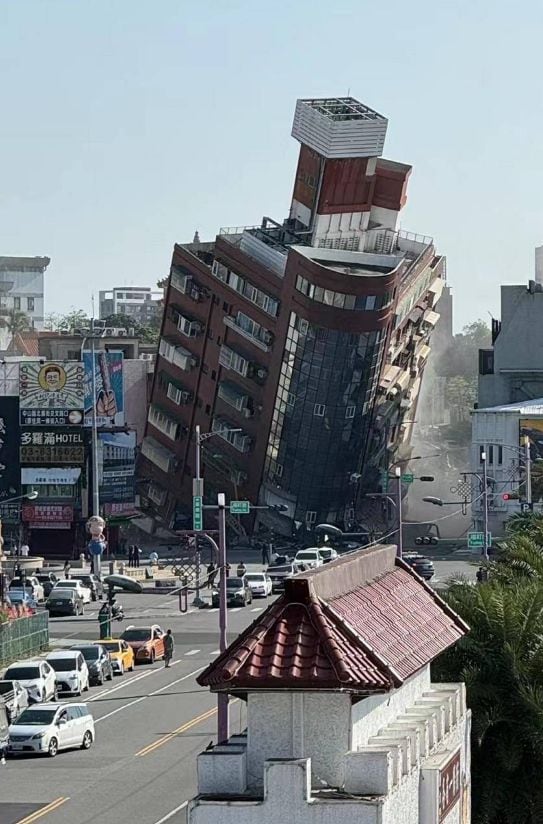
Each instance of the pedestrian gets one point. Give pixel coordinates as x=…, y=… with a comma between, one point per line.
x=25, y=550
x=104, y=619
x=130, y=555
x=168, y=648
x=67, y=568
x=153, y=558
x=265, y=554
x=211, y=573
x=137, y=553
x=227, y=570
x=241, y=570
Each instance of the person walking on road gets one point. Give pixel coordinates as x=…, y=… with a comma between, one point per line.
x=265, y=554
x=241, y=570
x=137, y=553
x=211, y=573
x=168, y=648
x=67, y=568
x=130, y=555
x=104, y=620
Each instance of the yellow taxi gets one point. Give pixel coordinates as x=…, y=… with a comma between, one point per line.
x=121, y=654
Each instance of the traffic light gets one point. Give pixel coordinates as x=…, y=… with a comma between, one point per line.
x=427, y=478
x=506, y=496
x=426, y=540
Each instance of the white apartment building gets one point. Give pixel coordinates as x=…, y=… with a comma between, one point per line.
x=138, y=302
x=22, y=287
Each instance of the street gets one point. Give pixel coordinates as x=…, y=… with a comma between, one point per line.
x=150, y=724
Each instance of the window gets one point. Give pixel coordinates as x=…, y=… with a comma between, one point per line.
x=231, y=360
x=310, y=517
x=176, y=395
x=30, y=304
x=319, y=409
x=278, y=470
x=500, y=455
x=156, y=494
x=350, y=411
x=163, y=422
x=220, y=271
x=16, y=303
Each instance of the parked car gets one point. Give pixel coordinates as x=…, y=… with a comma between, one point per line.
x=121, y=654
x=15, y=698
x=92, y=582
x=71, y=671
x=423, y=566
x=31, y=583
x=260, y=583
x=98, y=662
x=309, y=558
x=83, y=591
x=37, y=677
x=48, y=728
x=238, y=593
x=147, y=642
x=279, y=574
x=328, y=554
x=47, y=580
x=4, y=728
x=23, y=597
x=64, y=602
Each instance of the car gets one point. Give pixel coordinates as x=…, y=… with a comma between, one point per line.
x=36, y=676
x=309, y=558
x=92, y=582
x=76, y=586
x=260, y=583
x=121, y=654
x=15, y=698
x=48, y=728
x=422, y=566
x=147, y=642
x=98, y=662
x=4, y=728
x=238, y=593
x=47, y=580
x=328, y=554
x=64, y=602
x=31, y=583
x=71, y=671
x=279, y=574
x=23, y=597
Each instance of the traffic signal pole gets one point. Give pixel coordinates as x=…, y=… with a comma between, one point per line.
x=485, y=506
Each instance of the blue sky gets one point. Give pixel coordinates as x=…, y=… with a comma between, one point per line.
x=128, y=124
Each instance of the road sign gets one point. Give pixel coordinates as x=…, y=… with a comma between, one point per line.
x=240, y=507
x=476, y=540
x=525, y=507
x=197, y=512
x=408, y=478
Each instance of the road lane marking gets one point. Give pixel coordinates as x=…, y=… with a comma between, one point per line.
x=215, y=652
x=256, y=609
x=54, y=805
x=129, y=683
x=213, y=609
x=149, y=695
x=236, y=609
x=183, y=728
x=172, y=813
x=192, y=652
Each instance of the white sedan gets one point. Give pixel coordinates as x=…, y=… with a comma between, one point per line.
x=259, y=583
x=76, y=586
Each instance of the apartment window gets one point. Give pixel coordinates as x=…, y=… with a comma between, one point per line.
x=278, y=470
x=310, y=517
x=231, y=360
x=236, y=282
x=220, y=271
x=350, y=411
x=500, y=455
x=156, y=494
x=30, y=304
x=16, y=303
x=490, y=454
x=163, y=422
x=175, y=394
x=319, y=409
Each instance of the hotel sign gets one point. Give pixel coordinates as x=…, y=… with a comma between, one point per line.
x=53, y=446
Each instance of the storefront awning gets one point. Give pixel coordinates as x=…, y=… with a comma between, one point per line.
x=47, y=475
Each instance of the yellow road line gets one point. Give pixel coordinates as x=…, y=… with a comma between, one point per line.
x=165, y=738
x=54, y=805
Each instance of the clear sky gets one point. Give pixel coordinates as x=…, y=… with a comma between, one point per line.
x=128, y=124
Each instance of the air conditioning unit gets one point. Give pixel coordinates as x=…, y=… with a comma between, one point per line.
x=262, y=373
x=195, y=293
x=109, y=331
x=268, y=337
x=122, y=333
x=147, y=356
x=132, y=332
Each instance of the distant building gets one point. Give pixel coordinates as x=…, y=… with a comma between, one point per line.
x=22, y=287
x=141, y=303
x=344, y=723
x=300, y=344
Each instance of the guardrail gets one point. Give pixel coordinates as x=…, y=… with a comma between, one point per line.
x=23, y=637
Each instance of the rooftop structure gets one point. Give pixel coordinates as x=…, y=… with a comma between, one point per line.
x=22, y=287
x=339, y=127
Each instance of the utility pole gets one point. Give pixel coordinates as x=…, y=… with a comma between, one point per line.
x=197, y=491
x=398, y=474
x=485, y=506
x=222, y=698
x=528, y=467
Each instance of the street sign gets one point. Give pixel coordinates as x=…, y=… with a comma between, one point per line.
x=408, y=478
x=525, y=507
x=476, y=540
x=240, y=507
x=197, y=512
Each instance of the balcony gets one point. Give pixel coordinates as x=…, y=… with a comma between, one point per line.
x=188, y=327
x=162, y=421
x=158, y=455
x=252, y=332
x=224, y=466
x=225, y=430
x=177, y=355
x=232, y=395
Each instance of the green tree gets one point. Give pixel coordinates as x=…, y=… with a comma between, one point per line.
x=16, y=321
x=147, y=333
x=461, y=358
x=501, y=662
x=75, y=319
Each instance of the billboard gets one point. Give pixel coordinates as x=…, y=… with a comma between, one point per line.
x=532, y=428
x=10, y=472
x=41, y=514
x=117, y=457
x=62, y=445
x=109, y=395
x=51, y=393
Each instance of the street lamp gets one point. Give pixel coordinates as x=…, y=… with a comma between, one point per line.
x=94, y=429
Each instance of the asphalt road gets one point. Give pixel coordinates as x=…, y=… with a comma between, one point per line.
x=150, y=726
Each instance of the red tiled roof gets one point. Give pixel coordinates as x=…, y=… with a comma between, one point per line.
x=364, y=623
x=24, y=343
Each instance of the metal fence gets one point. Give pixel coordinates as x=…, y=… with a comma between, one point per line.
x=23, y=637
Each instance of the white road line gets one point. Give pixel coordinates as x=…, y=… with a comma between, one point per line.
x=236, y=609
x=256, y=609
x=215, y=652
x=129, y=682
x=143, y=697
x=172, y=813
x=213, y=609
x=192, y=652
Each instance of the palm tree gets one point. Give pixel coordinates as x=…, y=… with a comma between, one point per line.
x=501, y=662
x=16, y=321
x=526, y=523
x=519, y=557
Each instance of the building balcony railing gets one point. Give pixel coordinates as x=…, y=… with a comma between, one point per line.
x=158, y=454
x=257, y=341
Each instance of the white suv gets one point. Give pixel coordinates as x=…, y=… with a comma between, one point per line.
x=310, y=558
x=71, y=671
x=48, y=728
x=37, y=677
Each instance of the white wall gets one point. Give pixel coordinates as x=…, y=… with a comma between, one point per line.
x=384, y=217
